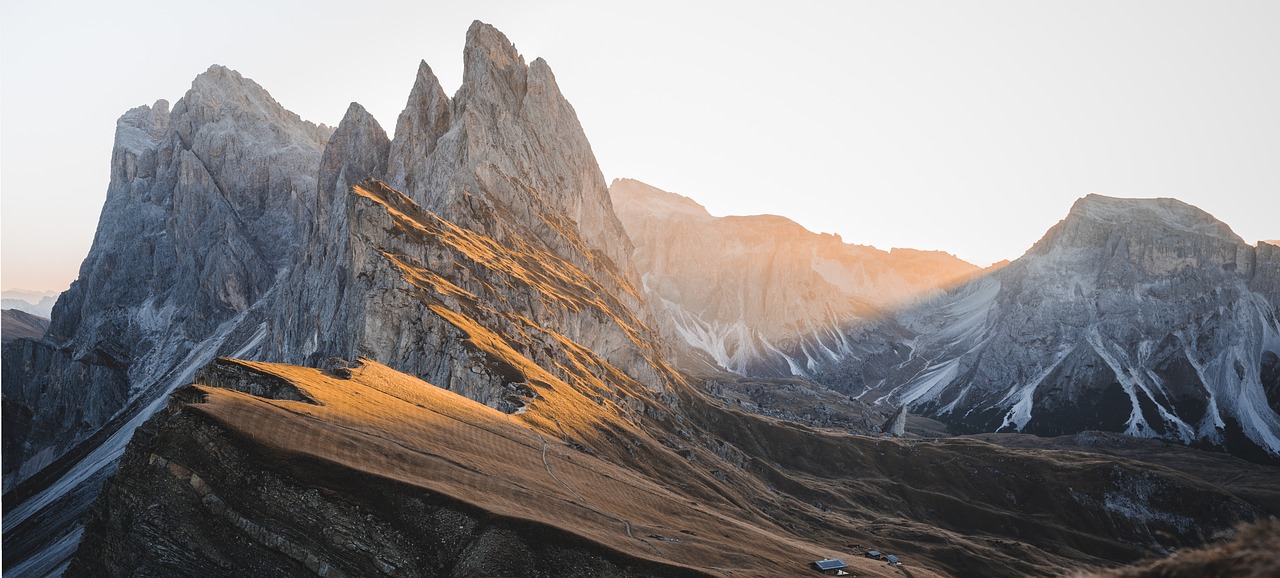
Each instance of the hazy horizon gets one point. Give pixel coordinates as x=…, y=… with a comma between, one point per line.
x=969, y=129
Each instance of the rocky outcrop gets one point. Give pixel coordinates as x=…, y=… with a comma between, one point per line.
x=205, y=207
x=896, y=425
x=318, y=313
x=1142, y=316
x=761, y=295
x=509, y=144
x=205, y=210
x=502, y=199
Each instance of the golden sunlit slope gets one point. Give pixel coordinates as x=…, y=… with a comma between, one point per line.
x=370, y=426
x=531, y=320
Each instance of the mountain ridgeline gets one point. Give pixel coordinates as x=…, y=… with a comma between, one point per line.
x=1142, y=316
x=298, y=350
x=761, y=295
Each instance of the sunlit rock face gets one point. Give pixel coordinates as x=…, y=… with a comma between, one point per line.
x=233, y=227
x=761, y=295
x=1142, y=316
x=509, y=144
x=503, y=198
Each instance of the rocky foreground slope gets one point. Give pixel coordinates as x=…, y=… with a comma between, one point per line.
x=19, y=324
x=761, y=295
x=473, y=251
x=1142, y=316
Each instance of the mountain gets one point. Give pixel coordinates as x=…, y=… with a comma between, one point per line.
x=1142, y=316
x=22, y=325
x=204, y=210
x=38, y=303
x=219, y=236
x=444, y=365
x=761, y=295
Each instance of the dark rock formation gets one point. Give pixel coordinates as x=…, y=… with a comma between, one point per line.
x=205, y=210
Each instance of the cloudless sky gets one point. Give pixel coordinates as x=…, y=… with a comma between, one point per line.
x=969, y=127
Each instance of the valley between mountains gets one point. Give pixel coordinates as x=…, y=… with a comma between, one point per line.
x=301, y=350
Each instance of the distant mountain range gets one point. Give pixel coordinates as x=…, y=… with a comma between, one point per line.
x=761, y=295
x=1142, y=316
x=38, y=303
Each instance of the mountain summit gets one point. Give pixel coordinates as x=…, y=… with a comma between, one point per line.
x=1142, y=316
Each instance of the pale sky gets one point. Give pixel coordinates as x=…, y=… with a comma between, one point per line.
x=969, y=127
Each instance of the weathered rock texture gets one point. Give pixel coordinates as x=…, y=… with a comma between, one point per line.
x=1142, y=316
x=761, y=295
x=231, y=227
x=204, y=213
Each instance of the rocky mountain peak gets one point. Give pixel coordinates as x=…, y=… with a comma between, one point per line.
x=488, y=50
x=1147, y=317
x=507, y=140
x=219, y=84
x=141, y=128
x=426, y=117
x=1162, y=213
x=1143, y=236
x=357, y=149
x=632, y=196
x=223, y=97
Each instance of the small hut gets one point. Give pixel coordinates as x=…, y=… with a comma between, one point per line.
x=831, y=567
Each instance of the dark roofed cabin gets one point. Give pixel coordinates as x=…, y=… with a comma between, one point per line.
x=833, y=567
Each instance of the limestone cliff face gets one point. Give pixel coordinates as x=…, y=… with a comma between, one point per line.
x=319, y=308
x=205, y=206
x=508, y=143
x=761, y=295
x=493, y=180
x=1142, y=316
x=232, y=227
x=205, y=210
